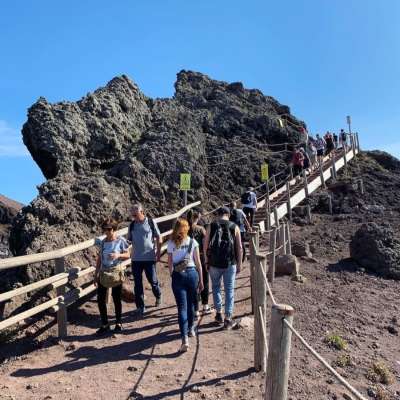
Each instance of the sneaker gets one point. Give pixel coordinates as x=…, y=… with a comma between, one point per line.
x=228, y=324
x=196, y=315
x=158, y=301
x=206, y=309
x=192, y=332
x=185, y=345
x=117, y=328
x=103, y=330
x=140, y=311
x=218, y=318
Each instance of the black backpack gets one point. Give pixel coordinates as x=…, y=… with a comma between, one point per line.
x=221, y=248
x=246, y=198
x=236, y=217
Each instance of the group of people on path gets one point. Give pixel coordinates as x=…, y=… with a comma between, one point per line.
x=196, y=255
x=310, y=156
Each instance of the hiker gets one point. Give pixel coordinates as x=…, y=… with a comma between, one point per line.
x=306, y=159
x=336, y=140
x=320, y=145
x=249, y=203
x=109, y=274
x=146, y=247
x=198, y=233
x=312, y=154
x=343, y=139
x=239, y=218
x=329, y=144
x=223, y=253
x=185, y=268
x=297, y=162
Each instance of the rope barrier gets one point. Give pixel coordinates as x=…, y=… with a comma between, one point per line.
x=325, y=363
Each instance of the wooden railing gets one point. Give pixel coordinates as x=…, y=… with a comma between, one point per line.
x=62, y=277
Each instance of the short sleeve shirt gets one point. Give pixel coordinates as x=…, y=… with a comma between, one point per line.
x=253, y=201
x=179, y=253
x=119, y=245
x=141, y=236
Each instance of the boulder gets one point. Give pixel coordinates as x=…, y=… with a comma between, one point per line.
x=286, y=264
x=301, y=249
x=377, y=249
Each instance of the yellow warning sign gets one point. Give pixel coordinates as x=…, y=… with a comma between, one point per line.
x=185, y=181
x=264, y=172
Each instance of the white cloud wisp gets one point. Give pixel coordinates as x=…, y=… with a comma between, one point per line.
x=11, y=144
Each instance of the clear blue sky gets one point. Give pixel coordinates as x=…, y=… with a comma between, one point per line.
x=325, y=59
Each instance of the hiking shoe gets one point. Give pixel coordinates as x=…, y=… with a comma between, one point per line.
x=158, y=301
x=196, y=315
x=228, y=324
x=103, y=330
x=185, y=345
x=118, y=328
x=139, y=312
x=192, y=332
x=218, y=318
x=206, y=309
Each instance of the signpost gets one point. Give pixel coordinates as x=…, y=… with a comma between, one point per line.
x=264, y=173
x=185, y=181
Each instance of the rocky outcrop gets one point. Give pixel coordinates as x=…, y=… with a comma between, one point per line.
x=377, y=249
x=116, y=146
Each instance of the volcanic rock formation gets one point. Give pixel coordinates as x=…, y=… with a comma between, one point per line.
x=116, y=146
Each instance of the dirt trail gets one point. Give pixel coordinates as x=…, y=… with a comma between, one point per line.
x=143, y=361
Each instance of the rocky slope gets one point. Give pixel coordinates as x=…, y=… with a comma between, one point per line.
x=8, y=210
x=116, y=146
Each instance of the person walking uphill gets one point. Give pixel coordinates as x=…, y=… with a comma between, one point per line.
x=249, y=203
x=109, y=273
x=223, y=252
x=186, y=272
x=146, y=247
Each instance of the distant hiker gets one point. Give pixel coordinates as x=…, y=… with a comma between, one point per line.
x=239, y=218
x=306, y=159
x=110, y=274
x=329, y=144
x=146, y=246
x=343, y=139
x=186, y=272
x=335, y=140
x=249, y=203
x=198, y=233
x=320, y=145
x=312, y=154
x=223, y=251
x=297, y=162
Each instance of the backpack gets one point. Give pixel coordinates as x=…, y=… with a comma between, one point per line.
x=152, y=227
x=236, y=217
x=221, y=248
x=246, y=198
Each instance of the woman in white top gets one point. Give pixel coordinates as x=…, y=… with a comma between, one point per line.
x=187, y=280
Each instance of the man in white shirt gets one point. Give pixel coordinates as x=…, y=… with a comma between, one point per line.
x=249, y=202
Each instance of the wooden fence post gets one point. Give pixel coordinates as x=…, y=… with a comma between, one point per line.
x=253, y=253
x=272, y=255
x=305, y=183
x=260, y=348
x=321, y=174
x=289, y=207
x=334, y=174
x=345, y=159
x=358, y=142
x=274, y=182
x=283, y=239
x=308, y=207
x=330, y=204
x=288, y=238
x=268, y=210
x=276, y=218
x=291, y=172
x=62, y=310
x=279, y=353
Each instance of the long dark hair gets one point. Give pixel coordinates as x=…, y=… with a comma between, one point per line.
x=191, y=216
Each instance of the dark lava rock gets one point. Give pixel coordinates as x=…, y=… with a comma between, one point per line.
x=116, y=146
x=376, y=248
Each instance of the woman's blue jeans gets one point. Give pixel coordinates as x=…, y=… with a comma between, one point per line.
x=184, y=286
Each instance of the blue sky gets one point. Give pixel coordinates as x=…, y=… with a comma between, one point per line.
x=325, y=59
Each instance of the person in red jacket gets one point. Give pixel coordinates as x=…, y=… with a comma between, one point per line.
x=297, y=162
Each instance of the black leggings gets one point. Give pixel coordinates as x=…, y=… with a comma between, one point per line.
x=101, y=301
x=204, y=294
x=249, y=212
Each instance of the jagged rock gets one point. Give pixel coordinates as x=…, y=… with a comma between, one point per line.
x=287, y=264
x=376, y=248
x=116, y=146
x=301, y=249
